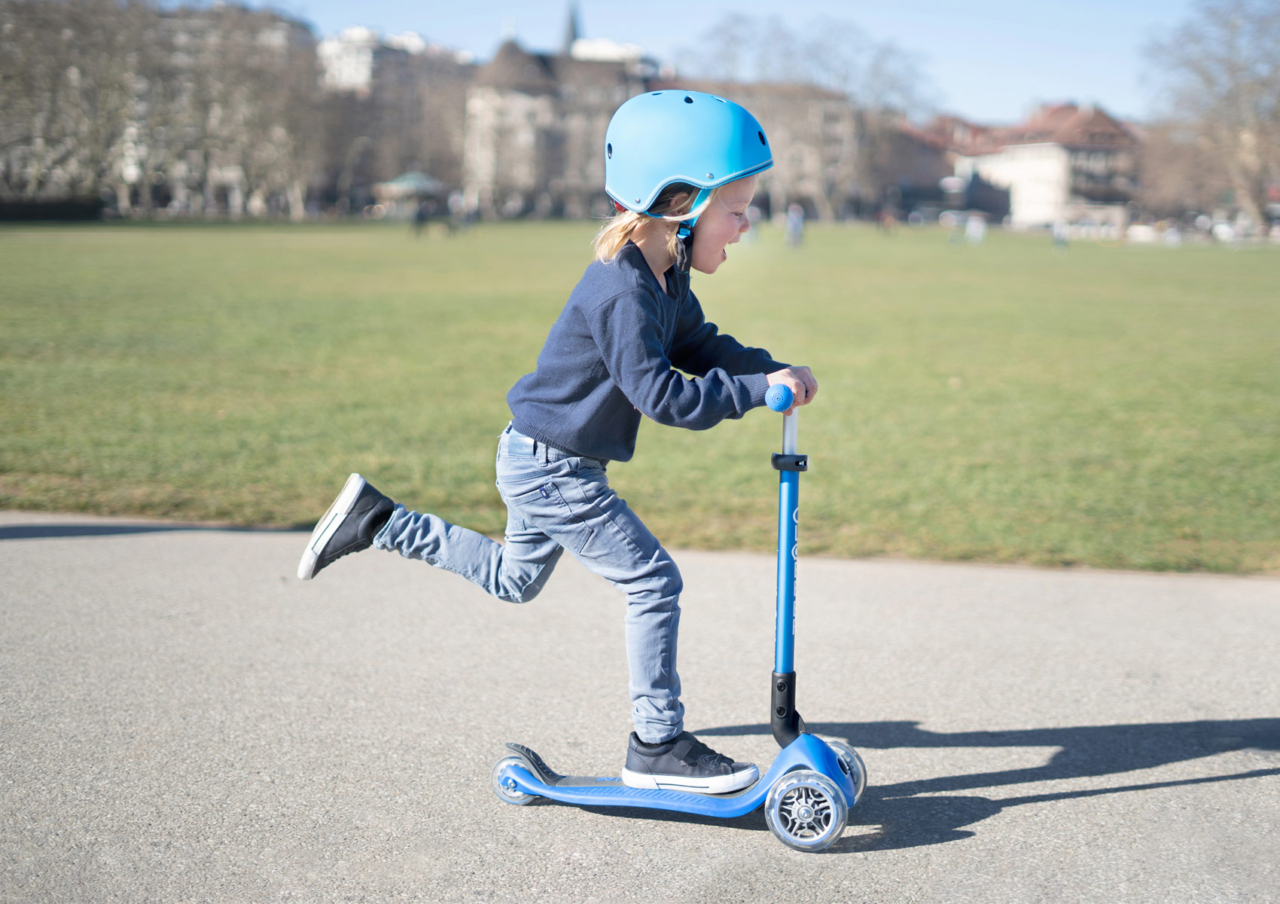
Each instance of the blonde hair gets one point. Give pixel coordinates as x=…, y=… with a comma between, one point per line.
x=676, y=205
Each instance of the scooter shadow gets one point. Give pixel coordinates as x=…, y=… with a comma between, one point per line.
x=920, y=813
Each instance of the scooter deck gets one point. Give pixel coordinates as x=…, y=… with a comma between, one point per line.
x=592, y=791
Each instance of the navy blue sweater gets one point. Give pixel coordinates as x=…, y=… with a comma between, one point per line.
x=614, y=354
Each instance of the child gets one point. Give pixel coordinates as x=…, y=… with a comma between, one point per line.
x=681, y=168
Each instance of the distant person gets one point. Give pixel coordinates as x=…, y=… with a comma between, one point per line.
x=954, y=224
x=1061, y=235
x=420, y=214
x=795, y=225
x=975, y=228
x=457, y=204
x=613, y=357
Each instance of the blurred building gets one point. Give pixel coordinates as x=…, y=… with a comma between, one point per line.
x=1067, y=163
x=536, y=122
x=917, y=169
x=223, y=110
x=347, y=60
x=813, y=134
x=391, y=105
x=535, y=126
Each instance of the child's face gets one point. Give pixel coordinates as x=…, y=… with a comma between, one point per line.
x=722, y=223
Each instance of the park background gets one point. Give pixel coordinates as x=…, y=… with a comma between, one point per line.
x=286, y=279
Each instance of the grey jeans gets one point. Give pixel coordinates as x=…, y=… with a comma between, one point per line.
x=557, y=501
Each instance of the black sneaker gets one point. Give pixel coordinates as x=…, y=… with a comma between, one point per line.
x=684, y=764
x=350, y=525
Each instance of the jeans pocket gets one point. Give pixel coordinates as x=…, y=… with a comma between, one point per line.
x=545, y=508
x=614, y=537
x=616, y=531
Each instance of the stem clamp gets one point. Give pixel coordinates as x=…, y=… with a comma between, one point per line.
x=790, y=462
x=783, y=718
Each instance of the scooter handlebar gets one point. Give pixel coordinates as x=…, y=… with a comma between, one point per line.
x=779, y=397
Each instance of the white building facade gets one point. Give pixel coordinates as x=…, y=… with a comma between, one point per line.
x=1067, y=164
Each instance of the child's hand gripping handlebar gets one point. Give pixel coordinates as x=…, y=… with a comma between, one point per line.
x=779, y=397
x=801, y=383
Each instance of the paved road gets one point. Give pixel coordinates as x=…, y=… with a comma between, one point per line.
x=182, y=720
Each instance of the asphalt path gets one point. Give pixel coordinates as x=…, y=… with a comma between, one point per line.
x=182, y=720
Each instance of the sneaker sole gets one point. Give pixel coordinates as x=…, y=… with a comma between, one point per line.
x=328, y=525
x=719, y=784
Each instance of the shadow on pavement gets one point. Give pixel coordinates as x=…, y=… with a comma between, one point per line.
x=891, y=817
x=64, y=531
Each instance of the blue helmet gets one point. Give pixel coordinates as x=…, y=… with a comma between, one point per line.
x=663, y=137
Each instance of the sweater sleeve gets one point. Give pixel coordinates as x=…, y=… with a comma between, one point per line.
x=700, y=346
x=627, y=329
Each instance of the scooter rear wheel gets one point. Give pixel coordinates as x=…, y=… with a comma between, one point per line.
x=805, y=810
x=506, y=789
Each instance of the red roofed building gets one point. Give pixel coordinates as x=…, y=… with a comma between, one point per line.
x=1066, y=163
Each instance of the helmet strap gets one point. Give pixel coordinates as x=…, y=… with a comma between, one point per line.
x=684, y=235
x=684, y=248
x=700, y=200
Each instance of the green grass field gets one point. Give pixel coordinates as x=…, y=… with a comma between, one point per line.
x=1111, y=406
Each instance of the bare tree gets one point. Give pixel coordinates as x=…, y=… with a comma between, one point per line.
x=1222, y=68
x=276, y=93
x=1180, y=171
x=160, y=119
x=250, y=110
x=829, y=53
x=122, y=95
x=67, y=71
x=882, y=82
x=724, y=51
x=445, y=81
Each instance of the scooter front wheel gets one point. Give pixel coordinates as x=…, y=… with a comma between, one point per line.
x=851, y=763
x=805, y=810
x=505, y=788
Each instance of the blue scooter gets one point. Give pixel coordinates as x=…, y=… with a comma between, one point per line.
x=808, y=790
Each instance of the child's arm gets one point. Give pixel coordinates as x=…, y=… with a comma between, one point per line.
x=628, y=332
x=700, y=346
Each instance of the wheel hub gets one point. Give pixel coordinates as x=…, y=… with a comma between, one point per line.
x=805, y=812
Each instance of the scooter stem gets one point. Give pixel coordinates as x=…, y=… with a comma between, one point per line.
x=788, y=522
x=785, y=721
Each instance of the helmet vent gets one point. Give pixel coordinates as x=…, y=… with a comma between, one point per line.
x=688, y=99
x=656, y=94
x=608, y=151
x=762, y=141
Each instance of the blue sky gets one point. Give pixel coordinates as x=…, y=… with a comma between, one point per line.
x=989, y=60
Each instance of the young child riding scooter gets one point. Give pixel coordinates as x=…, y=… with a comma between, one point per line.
x=681, y=168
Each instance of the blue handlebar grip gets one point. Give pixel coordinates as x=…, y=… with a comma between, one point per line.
x=779, y=397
